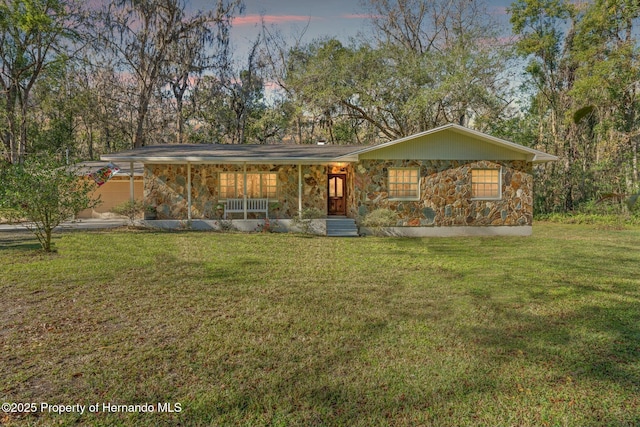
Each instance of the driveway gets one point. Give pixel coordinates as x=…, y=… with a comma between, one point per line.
x=80, y=224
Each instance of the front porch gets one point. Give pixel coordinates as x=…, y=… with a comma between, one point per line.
x=187, y=192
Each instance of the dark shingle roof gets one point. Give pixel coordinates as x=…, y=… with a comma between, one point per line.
x=234, y=153
x=309, y=154
x=85, y=168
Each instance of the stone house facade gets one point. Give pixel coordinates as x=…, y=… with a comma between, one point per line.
x=448, y=178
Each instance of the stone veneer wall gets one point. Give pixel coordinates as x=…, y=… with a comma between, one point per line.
x=165, y=186
x=445, y=193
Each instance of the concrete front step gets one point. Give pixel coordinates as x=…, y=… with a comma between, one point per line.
x=341, y=227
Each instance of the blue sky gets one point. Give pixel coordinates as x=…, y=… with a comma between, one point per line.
x=338, y=18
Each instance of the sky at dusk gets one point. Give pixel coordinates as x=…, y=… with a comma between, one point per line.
x=337, y=18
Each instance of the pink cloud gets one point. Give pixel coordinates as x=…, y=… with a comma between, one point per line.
x=359, y=16
x=255, y=19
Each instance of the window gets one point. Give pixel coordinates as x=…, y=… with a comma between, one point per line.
x=404, y=183
x=485, y=183
x=261, y=185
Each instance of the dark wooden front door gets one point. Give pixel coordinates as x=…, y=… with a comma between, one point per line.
x=337, y=194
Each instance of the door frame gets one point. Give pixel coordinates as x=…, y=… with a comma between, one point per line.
x=342, y=175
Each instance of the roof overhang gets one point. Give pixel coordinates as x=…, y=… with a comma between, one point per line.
x=534, y=156
x=299, y=154
x=225, y=160
x=88, y=167
x=244, y=154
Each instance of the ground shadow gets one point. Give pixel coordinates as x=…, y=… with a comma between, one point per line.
x=18, y=241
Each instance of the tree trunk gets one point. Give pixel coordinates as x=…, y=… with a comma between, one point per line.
x=179, y=87
x=47, y=240
x=634, y=163
x=9, y=137
x=90, y=142
x=180, y=121
x=143, y=108
x=22, y=147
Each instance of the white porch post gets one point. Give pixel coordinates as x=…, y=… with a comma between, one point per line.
x=300, y=190
x=244, y=173
x=189, y=191
x=131, y=195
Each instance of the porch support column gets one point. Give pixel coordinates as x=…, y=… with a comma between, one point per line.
x=188, y=191
x=300, y=190
x=131, y=196
x=244, y=173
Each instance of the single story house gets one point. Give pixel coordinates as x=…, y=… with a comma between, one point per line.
x=450, y=180
x=116, y=191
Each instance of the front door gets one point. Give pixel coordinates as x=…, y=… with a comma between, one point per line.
x=337, y=195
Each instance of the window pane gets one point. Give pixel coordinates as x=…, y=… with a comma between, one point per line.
x=253, y=185
x=259, y=185
x=404, y=183
x=227, y=185
x=268, y=185
x=485, y=183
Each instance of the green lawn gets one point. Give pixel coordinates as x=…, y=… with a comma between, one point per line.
x=266, y=329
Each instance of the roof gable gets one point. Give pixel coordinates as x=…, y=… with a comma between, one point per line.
x=452, y=142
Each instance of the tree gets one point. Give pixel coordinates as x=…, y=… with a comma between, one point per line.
x=143, y=35
x=606, y=87
x=245, y=96
x=34, y=38
x=551, y=70
x=428, y=63
x=44, y=192
x=53, y=112
x=582, y=77
x=205, y=49
x=231, y=107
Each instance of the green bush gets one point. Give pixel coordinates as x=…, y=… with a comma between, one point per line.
x=304, y=220
x=44, y=192
x=609, y=220
x=129, y=209
x=379, y=218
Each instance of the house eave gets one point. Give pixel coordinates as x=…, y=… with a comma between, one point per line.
x=533, y=155
x=350, y=158
x=224, y=160
x=543, y=158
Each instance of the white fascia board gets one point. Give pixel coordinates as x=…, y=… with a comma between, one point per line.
x=542, y=157
x=347, y=158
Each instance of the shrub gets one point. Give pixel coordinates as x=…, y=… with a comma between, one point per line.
x=380, y=218
x=225, y=225
x=268, y=226
x=304, y=220
x=129, y=209
x=44, y=192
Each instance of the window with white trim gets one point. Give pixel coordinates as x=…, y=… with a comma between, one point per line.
x=261, y=185
x=404, y=183
x=486, y=184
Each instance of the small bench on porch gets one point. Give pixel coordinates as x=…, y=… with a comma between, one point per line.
x=253, y=205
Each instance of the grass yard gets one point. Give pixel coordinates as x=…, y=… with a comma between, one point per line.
x=286, y=330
